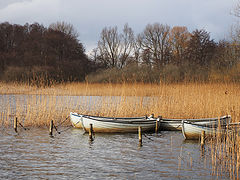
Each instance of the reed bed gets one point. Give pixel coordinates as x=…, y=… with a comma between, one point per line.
x=36, y=106
x=224, y=152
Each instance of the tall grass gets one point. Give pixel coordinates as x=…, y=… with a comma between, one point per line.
x=37, y=106
x=194, y=100
x=224, y=151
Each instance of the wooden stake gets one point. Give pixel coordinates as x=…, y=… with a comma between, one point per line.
x=156, y=128
x=51, y=128
x=202, y=138
x=15, y=124
x=158, y=123
x=90, y=132
x=140, y=135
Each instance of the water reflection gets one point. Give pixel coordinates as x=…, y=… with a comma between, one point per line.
x=70, y=155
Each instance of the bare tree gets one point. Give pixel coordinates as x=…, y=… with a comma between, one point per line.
x=65, y=28
x=179, y=37
x=236, y=10
x=108, y=46
x=114, y=49
x=137, y=49
x=126, y=46
x=155, y=39
x=200, y=48
x=234, y=46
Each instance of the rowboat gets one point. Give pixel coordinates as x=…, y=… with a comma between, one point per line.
x=234, y=127
x=113, y=125
x=176, y=124
x=192, y=130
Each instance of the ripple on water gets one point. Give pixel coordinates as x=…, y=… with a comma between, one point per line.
x=33, y=154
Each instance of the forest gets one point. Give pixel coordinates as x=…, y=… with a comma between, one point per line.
x=40, y=55
x=35, y=54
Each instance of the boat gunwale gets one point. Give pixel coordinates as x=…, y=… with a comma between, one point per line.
x=85, y=115
x=118, y=120
x=210, y=126
x=196, y=120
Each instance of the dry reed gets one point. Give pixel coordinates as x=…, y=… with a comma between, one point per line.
x=225, y=153
x=38, y=106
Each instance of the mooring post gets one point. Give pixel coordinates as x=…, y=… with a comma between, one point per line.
x=156, y=128
x=90, y=132
x=51, y=128
x=202, y=138
x=140, y=135
x=15, y=124
x=157, y=123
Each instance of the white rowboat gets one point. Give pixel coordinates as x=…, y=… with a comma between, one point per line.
x=113, y=125
x=191, y=130
x=176, y=124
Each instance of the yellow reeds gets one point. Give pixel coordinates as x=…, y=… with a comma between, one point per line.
x=168, y=100
x=225, y=153
x=38, y=106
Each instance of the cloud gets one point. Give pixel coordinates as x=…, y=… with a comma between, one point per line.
x=4, y=3
x=89, y=17
x=42, y=11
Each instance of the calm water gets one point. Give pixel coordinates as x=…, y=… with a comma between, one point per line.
x=32, y=154
x=22, y=103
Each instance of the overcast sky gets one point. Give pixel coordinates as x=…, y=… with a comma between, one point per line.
x=89, y=17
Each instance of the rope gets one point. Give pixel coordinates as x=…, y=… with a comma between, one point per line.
x=63, y=121
x=23, y=127
x=56, y=129
x=147, y=137
x=59, y=132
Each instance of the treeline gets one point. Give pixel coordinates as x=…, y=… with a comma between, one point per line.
x=35, y=54
x=42, y=55
x=162, y=53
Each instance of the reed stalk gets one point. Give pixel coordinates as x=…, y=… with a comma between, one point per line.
x=36, y=106
x=168, y=100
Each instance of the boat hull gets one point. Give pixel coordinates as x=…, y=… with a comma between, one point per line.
x=113, y=125
x=176, y=124
x=171, y=125
x=192, y=131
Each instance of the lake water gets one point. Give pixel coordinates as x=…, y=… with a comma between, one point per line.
x=22, y=103
x=33, y=154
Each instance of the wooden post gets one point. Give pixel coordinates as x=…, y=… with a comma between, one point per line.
x=90, y=132
x=158, y=123
x=156, y=128
x=191, y=162
x=15, y=124
x=202, y=138
x=51, y=128
x=140, y=135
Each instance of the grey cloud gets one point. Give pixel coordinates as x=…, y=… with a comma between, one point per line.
x=5, y=3
x=90, y=16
